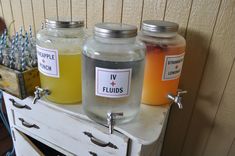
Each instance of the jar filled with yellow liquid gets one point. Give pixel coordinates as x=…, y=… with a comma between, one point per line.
x=59, y=60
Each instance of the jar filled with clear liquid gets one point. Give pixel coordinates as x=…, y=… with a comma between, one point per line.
x=113, y=69
x=59, y=48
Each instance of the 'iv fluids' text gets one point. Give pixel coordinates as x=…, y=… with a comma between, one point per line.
x=112, y=90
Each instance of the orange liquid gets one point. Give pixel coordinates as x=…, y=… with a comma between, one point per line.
x=155, y=90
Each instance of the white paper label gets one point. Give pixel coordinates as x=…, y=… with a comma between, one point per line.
x=172, y=67
x=113, y=83
x=48, y=62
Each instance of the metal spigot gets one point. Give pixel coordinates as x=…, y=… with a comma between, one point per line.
x=111, y=120
x=178, y=98
x=39, y=93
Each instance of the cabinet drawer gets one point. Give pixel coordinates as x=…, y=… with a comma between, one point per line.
x=23, y=145
x=73, y=134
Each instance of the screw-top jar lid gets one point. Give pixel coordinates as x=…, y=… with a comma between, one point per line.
x=115, y=30
x=158, y=26
x=64, y=24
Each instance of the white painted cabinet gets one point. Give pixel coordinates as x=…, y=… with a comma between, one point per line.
x=23, y=145
x=68, y=130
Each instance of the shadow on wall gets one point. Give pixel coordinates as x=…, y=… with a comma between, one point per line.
x=2, y=25
x=194, y=62
x=200, y=135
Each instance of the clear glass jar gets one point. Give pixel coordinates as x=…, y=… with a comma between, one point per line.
x=113, y=69
x=59, y=48
x=164, y=60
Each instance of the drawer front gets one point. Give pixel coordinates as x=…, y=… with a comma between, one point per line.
x=71, y=133
x=23, y=145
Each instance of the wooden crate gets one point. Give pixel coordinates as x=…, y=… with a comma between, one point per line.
x=20, y=84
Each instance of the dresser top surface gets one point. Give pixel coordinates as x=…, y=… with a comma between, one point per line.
x=145, y=128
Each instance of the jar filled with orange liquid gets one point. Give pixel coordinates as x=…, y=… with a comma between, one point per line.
x=59, y=48
x=164, y=60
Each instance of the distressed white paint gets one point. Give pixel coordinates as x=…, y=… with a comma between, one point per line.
x=63, y=126
x=150, y=117
x=38, y=138
x=23, y=146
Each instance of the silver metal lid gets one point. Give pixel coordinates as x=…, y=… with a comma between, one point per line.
x=115, y=30
x=64, y=24
x=158, y=26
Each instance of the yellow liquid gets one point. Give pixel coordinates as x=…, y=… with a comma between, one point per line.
x=67, y=89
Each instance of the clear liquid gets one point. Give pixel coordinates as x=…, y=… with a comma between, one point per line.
x=97, y=107
x=67, y=89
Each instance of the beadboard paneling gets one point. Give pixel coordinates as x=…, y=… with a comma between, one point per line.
x=198, y=36
x=94, y=12
x=78, y=10
x=113, y=10
x=1, y=11
x=154, y=9
x=38, y=12
x=17, y=14
x=204, y=127
x=216, y=73
x=51, y=8
x=64, y=9
x=223, y=132
x=8, y=15
x=28, y=15
x=132, y=12
x=178, y=11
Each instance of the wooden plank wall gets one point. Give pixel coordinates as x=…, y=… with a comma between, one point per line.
x=205, y=126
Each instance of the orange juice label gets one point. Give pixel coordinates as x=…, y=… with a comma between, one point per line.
x=113, y=83
x=48, y=62
x=172, y=67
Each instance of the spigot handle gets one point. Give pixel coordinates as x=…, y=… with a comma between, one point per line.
x=39, y=93
x=40, y=90
x=177, y=99
x=114, y=114
x=111, y=120
x=181, y=92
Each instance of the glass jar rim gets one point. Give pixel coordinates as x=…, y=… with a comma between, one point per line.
x=115, y=30
x=50, y=23
x=159, y=26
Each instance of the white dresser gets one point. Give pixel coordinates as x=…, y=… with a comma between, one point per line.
x=68, y=130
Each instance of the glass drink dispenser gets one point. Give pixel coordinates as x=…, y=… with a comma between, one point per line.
x=113, y=69
x=59, y=47
x=164, y=60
